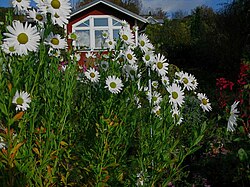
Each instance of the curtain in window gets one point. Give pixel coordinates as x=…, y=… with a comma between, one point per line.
x=83, y=39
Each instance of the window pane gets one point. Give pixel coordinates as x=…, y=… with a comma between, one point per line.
x=83, y=39
x=116, y=34
x=100, y=21
x=116, y=23
x=84, y=24
x=99, y=40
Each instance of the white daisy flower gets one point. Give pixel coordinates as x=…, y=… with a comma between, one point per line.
x=56, y=41
x=2, y=143
x=156, y=98
x=37, y=16
x=110, y=43
x=104, y=65
x=155, y=84
x=165, y=80
x=180, y=120
x=130, y=56
x=24, y=38
x=22, y=100
x=90, y=54
x=176, y=115
x=8, y=49
x=140, y=179
x=135, y=28
x=124, y=23
x=148, y=58
x=178, y=76
x=157, y=110
x=114, y=84
x=119, y=58
x=130, y=70
x=194, y=83
x=76, y=57
x=233, y=117
x=160, y=65
x=175, y=112
x=21, y=5
x=59, y=19
x=127, y=36
x=176, y=95
x=105, y=34
x=59, y=8
x=41, y=4
x=144, y=43
x=92, y=75
x=54, y=52
x=186, y=81
x=205, y=105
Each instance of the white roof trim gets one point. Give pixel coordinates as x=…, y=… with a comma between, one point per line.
x=121, y=9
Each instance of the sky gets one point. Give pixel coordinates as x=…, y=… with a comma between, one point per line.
x=169, y=6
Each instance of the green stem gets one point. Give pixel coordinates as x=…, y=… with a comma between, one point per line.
x=41, y=60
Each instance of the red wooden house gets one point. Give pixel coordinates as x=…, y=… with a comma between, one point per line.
x=90, y=20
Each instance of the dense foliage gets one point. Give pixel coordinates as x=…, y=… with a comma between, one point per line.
x=206, y=41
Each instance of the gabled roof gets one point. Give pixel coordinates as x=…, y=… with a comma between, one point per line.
x=112, y=5
x=152, y=20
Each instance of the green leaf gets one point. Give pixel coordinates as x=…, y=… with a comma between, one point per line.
x=3, y=109
x=242, y=155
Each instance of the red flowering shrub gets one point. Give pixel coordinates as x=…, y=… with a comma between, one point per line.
x=223, y=87
x=228, y=92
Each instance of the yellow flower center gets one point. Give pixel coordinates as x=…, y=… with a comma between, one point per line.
x=12, y=49
x=132, y=72
x=92, y=75
x=159, y=65
x=73, y=36
x=124, y=37
x=39, y=17
x=185, y=80
x=204, y=101
x=55, y=4
x=110, y=42
x=56, y=15
x=154, y=99
x=158, y=112
x=120, y=59
x=19, y=101
x=22, y=38
x=175, y=95
x=112, y=85
x=147, y=57
x=54, y=41
x=129, y=56
x=175, y=116
x=104, y=34
x=19, y=1
x=142, y=43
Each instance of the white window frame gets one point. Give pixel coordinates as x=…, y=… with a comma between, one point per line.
x=93, y=28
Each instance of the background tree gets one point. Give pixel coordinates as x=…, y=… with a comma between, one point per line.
x=179, y=14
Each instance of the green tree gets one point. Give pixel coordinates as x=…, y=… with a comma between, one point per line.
x=234, y=26
x=171, y=39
